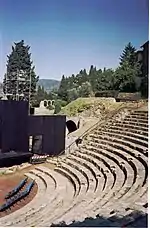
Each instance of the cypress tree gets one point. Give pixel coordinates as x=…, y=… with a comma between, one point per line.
x=20, y=77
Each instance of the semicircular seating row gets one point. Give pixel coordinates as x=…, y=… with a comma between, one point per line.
x=107, y=176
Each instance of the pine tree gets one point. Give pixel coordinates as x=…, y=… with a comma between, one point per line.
x=19, y=72
x=128, y=72
x=128, y=55
x=93, y=77
x=62, y=91
x=105, y=80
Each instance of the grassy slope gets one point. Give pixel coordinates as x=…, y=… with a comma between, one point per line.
x=81, y=104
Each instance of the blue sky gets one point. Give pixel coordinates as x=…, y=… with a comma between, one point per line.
x=68, y=35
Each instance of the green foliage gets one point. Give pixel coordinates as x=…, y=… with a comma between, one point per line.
x=61, y=102
x=124, y=79
x=107, y=93
x=43, y=95
x=91, y=103
x=127, y=74
x=128, y=55
x=72, y=95
x=19, y=66
x=62, y=91
x=76, y=107
x=50, y=107
x=57, y=107
x=85, y=89
x=105, y=80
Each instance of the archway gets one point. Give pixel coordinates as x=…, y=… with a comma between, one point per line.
x=45, y=103
x=49, y=102
x=71, y=126
x=53, y=101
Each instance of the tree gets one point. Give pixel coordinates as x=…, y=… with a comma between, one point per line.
x=127, y=73
x=72, y=94
x=125, y=77
x=82, y=77
x=105, y=80
x=85, y=89
x=128, y=55
x=20, y=77
x=62, y=91
x=57, y=107
x=93, y=77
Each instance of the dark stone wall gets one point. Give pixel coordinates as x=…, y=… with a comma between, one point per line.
x=14, y=126
x=52, y=129
x=146, y=58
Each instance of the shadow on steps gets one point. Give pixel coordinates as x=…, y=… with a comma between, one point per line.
x=135, y=219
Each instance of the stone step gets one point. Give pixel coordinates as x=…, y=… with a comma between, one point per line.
x=129, y=126
x=124, y=133
x=115, y=141
x=129, y=122
x=139, y=120
x=120, y=150
x=110, y=193
x=48, y=198
x=137, y=183
x=130, y=130
x=63, y=188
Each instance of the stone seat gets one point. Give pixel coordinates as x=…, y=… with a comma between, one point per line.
x=128, y=126
x=136, y=162
x=116, y=141
x=63, y=187
x=131, y=129
x=88, y=165
x=126, y=133
x=139, y=114
x=130, y=179
x=110, y=192
x=129, y=122
x=136, y=120
x=126, y=137
x=50, y=194
x=124, y=152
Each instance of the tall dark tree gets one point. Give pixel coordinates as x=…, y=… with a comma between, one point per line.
x=127, y=73
x=20, y=77
x=128, y=55
x=93, y=76
x=105, y=80
x=62, y=91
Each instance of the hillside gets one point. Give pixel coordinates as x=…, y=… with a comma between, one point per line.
x=94, y=106
x=89, y=107
x=49, y=84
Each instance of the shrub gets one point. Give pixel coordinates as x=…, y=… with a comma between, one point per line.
x=107, y=93
x=50, y=107
x=57, y=108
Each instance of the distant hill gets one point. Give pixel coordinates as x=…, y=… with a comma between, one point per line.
x=49, y=84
